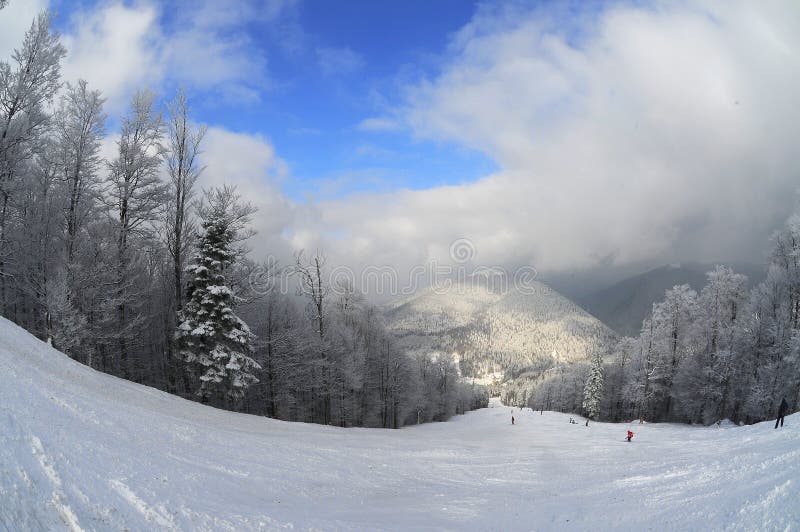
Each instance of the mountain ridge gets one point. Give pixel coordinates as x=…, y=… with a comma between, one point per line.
x=493, y=333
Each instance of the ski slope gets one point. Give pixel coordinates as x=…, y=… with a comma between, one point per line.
x=80, y=450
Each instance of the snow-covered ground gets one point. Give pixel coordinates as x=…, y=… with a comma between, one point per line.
x=82, y=450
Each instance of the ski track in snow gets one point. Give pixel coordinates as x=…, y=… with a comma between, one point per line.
x=80, y=450
x=157, y=517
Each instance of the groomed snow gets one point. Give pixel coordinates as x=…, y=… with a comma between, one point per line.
x=82, y=450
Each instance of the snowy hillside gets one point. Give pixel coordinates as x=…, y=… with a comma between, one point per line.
x=80, y=450
x=498, y=332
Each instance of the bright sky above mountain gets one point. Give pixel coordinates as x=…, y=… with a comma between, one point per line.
x=562, y=135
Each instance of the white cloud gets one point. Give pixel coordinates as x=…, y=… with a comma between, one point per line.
x=214, y=14
x=209, y=50
x=338, y=61
x=372, y=151
x=249, y=162
x=653, y=133
x=378, y=124
x=119, y=47
x=15, y=19
x=116, y=49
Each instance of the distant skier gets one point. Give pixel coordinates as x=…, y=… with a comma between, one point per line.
x=512, y=419
x=782, y=412
x=630, y=435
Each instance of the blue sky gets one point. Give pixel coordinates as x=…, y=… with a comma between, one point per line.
x=328, y=66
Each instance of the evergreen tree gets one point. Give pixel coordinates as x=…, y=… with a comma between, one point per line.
x=211, y=338
x=593, y=391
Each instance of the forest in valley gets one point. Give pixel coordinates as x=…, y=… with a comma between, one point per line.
x=128, y=266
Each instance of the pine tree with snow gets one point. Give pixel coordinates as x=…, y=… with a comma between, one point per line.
x=212, y=340
x=593, y=390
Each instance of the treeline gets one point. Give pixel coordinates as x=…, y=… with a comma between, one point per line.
x=334, y=362
x=723, y=353
x=127, y=266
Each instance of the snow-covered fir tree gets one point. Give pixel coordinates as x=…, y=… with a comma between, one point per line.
x=213, y=340
x=593, y=390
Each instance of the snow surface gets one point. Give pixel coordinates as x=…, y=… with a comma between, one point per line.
x=83, y=450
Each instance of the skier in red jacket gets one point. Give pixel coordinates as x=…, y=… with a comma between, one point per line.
x=630, y=435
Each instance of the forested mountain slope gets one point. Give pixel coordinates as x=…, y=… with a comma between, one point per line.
x=497, y=333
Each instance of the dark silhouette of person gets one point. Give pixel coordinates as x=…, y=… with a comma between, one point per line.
x=782, y=412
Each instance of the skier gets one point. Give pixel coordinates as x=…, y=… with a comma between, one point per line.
x=630, y=435
x=512, y=419
x=781, y=412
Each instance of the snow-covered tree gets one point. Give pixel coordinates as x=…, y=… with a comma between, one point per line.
x=181, y=155
x=671, y=323
x=313, y=286
x=136, y=196
x=27, y=84
x=703, y=381
x=79, y=131
x=593, y=391
x=212, y=339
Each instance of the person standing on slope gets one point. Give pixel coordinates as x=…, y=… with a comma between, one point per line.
x=781, y=412
x=512, y=419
